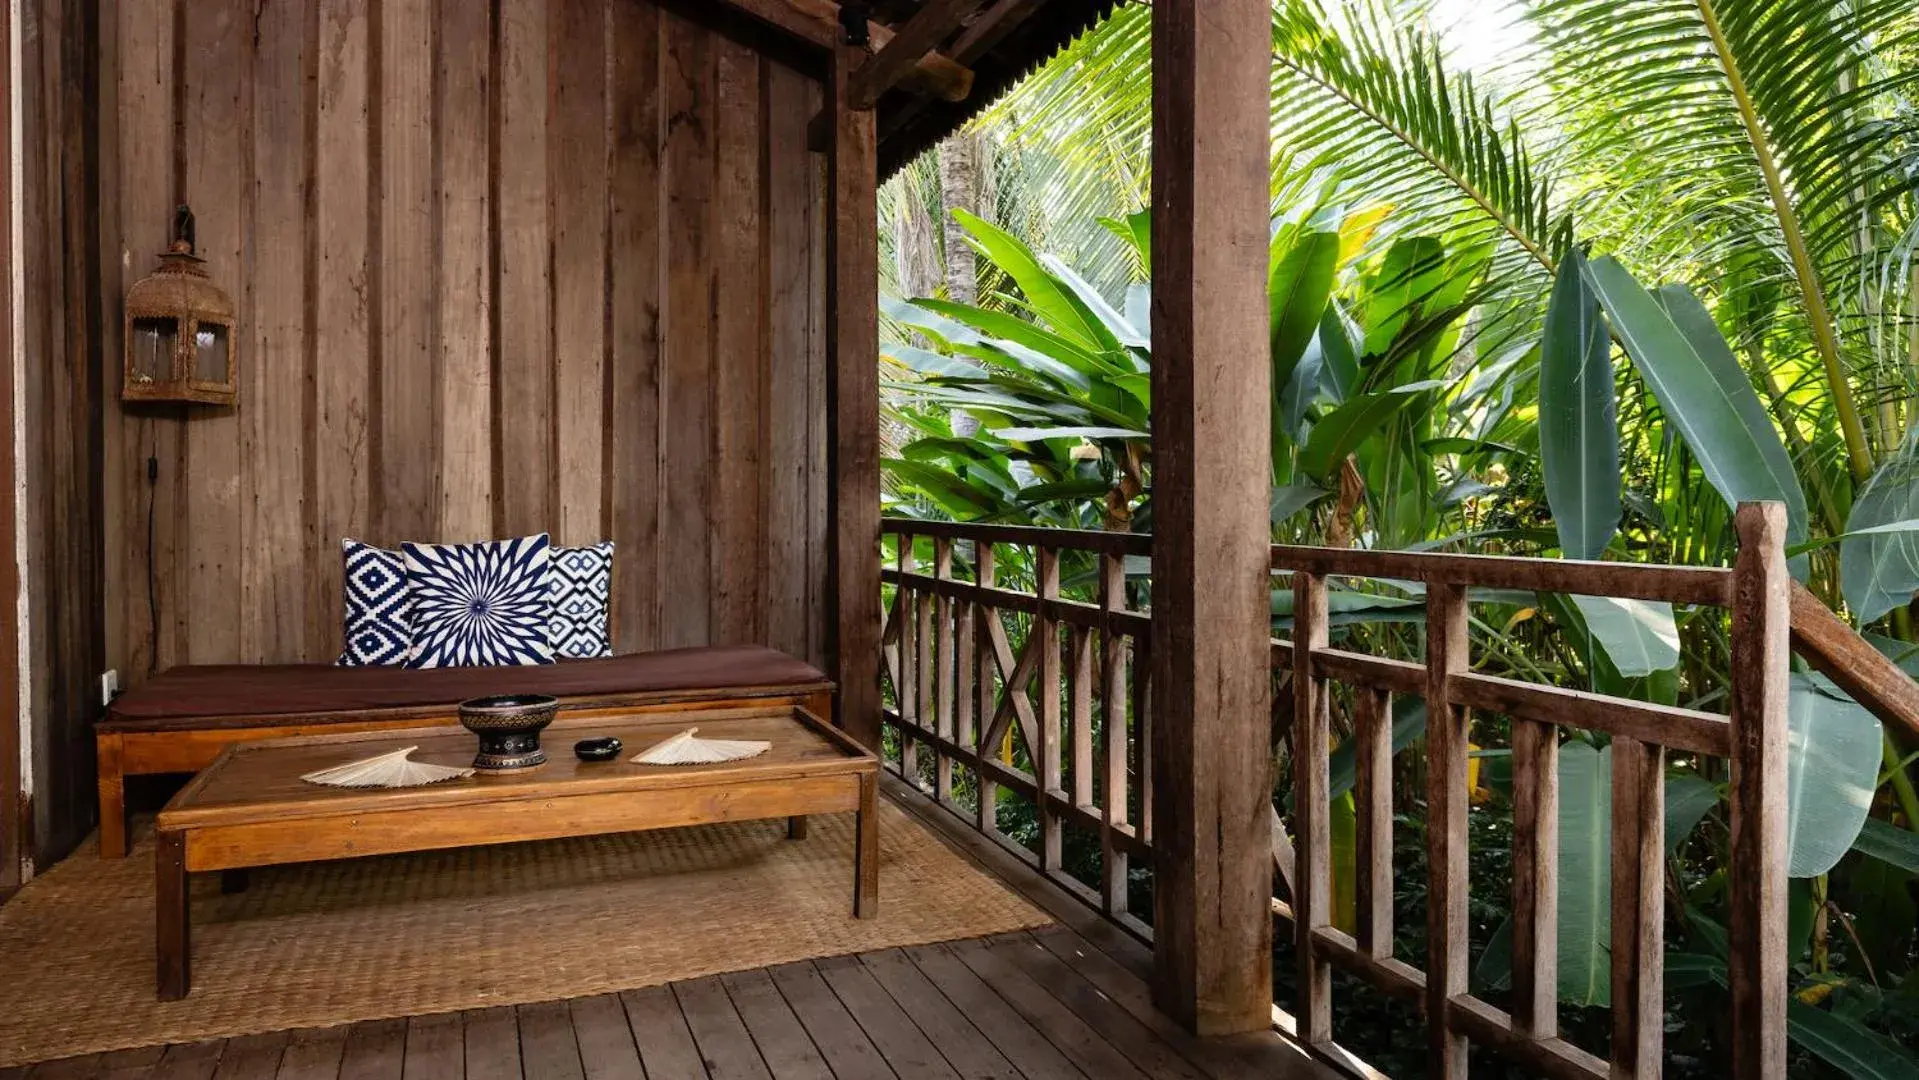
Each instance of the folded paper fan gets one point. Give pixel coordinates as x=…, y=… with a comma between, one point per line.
x=394, y=770
x=687, y=748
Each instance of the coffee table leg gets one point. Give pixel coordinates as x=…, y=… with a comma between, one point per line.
x=796, y=828
x=866, y=850
x=171, y=939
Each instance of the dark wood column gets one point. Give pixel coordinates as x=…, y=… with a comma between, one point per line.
x=1212, y=809
x=853, y=400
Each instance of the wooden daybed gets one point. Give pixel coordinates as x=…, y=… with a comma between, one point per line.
x=180, y=721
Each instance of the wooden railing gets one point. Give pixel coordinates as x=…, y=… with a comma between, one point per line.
x=1074, y=687
x=998, y=677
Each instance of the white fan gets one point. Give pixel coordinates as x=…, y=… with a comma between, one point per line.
x=687, y=749
x=394, y=770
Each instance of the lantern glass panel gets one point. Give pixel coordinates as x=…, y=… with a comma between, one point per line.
x=152, y=349
x=210, y=354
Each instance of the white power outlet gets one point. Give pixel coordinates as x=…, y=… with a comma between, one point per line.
x=109, y=686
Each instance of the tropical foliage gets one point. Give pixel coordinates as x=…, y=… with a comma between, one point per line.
x=1577, y=298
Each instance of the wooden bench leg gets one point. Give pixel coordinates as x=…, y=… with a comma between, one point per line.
x=113, y=797
x=172, y=923
x=866, y=850
x=796, y=828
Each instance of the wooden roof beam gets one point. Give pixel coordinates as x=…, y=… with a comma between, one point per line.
x=817, y=22
x=992, y=26
x=897, y=58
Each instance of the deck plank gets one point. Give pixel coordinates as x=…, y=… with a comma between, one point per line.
x=83, y=1067
x=607, y=1051
x=547, y=1045
x=375, y=1050
x=847, y=1050
x=784, y=1045
x=904, y=1046
x=725, y=1047
x=190, y=1061
x=1116, y=1026
x=135, y=1064
x=1002, y=1025
x=1085, y=1047
x=435, y=1048
x=659, y=1030
x=950, y=1032
x=492, y=1038
x=313, y=1054
x=252, y=1057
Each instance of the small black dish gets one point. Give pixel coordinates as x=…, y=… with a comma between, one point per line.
x=601, y=749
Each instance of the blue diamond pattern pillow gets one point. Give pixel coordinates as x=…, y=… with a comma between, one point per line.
x=582, y=590
x=378, y=630
x=478, y=605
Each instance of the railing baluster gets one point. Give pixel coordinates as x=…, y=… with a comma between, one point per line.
x=943, y=656
x=1046, y=765
x=1143, y=721
x=908, y=688
x=1112, y=745
x=1447, y=947
x=1312, y=742
x=966, y=674
x=986, y=668
x=1080, y=712
x=1638, y=907
x=1373, y=799
x=1535, y=879
x=923, y=667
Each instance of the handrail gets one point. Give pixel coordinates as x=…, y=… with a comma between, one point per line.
x=1838, y=652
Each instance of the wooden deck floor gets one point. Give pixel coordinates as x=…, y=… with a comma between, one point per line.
x=1065, y=1002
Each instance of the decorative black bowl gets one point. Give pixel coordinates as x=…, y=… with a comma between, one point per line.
x=509, y=728
x=605, y=748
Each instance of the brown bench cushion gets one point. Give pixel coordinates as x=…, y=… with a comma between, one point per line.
x=205, y=696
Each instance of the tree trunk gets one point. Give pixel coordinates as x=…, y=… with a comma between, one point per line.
x=961, y=163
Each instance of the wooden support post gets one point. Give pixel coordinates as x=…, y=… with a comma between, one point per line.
x=1211, y=675
x=1756, y=929
x=1313, y=875
x=1373, y=791
x=987, y=668
x=853, y=403
x=1638, y=908
x=1113, y=756
x=1447, y=946
x=1535, y=879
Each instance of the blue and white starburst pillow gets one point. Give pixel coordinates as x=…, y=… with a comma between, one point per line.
x=378, y=630
x=478, y=605
x=582, y=591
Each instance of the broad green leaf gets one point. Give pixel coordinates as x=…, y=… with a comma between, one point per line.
x=912, y=313
x=1117, y=324
x=1890, y=528
x=1342, y=765
x=1042, y=434
x=1689, y=798
x=1413, y=269
x=1848, y=1045
x=1833, y=752
x=1342, y=431
x=1293, y=498
x=1578, y=417
x=1719, y=418
x=1139, y=308
x=998, y=324
x=1888, y=843
x=1639, y=636
x=1344, y=608
x=1136, y=231
x=1139, y=386
x=1343, y=860
x=1585, y=874
x=1051, y=300
x=1339, y=360
x=1879, y=572
x=928, y=362
x=952, y=494
x=1299, y=284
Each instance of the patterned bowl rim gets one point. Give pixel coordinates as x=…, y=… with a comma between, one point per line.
x=509, y=703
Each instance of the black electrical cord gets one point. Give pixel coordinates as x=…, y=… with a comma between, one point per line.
x=153, y=594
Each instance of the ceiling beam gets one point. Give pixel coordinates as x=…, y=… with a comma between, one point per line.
x=993, y=25
x=911, y=42
x=817, y=22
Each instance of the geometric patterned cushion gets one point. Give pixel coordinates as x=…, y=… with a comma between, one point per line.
x=378, y=630
x=478, y=605
x=582, y=588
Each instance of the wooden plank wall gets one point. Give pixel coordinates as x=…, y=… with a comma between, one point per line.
x=61, y=417
x=501, y=268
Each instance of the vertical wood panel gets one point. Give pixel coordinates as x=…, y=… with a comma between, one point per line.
x=462, y=103
x=790, y=363
x=273, y=337
x=578, y=181
x=635, y=257
x=338, y=468
x=215, y=117
x=404, y=479
x=687, y=393
x=523, y=447
x=739, y=357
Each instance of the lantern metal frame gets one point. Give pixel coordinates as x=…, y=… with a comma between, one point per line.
x=179, y=291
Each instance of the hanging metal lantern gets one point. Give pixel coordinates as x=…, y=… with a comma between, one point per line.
x=179, y=329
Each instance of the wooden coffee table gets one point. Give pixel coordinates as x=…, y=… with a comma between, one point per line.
x=250, y=807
